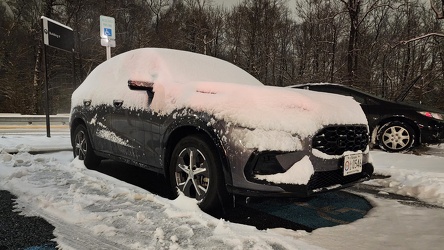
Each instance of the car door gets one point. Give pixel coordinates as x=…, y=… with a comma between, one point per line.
x=97, y=119
x=139, y=128
x=118, y=127
x=127, y=130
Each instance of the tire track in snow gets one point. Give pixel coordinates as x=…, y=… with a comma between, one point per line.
x=70, y=236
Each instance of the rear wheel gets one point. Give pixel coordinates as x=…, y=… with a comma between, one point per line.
x=82, y=147
x=196, y=171
x=396, y=136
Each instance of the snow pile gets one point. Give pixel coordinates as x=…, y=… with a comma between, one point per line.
x=201, y=83
x=300, y=173
x=411, y=175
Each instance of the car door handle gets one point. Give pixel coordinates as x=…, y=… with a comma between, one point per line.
x=118, y=103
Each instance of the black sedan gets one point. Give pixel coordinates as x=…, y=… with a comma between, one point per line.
x=394, y=126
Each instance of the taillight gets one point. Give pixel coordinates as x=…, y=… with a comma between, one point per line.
x=434, y=115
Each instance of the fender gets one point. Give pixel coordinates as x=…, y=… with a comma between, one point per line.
x=187, y=122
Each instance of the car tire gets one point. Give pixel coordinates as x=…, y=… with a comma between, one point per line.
x=396, y=136
x=196, y=171
x=82, y=147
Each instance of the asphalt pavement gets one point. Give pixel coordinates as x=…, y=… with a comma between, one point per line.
x=22, y=232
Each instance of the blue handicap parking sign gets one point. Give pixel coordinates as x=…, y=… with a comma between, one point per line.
x=107, y=32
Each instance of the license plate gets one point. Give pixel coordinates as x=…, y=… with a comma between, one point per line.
x=352, y=164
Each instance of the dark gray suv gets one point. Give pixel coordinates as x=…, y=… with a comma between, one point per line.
x=213, y=130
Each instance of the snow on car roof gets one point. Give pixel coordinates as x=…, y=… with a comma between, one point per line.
x=314, y=84
x=202, y=83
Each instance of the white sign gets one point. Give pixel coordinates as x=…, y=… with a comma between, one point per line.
x=107, y=28
x=108, y=42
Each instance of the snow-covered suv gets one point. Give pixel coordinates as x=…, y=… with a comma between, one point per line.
x=213, y=130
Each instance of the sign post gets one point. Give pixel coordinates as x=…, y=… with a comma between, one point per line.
x=107, y=34
x=57, y=35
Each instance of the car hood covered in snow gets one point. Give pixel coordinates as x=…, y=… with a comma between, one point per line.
x=206, y=84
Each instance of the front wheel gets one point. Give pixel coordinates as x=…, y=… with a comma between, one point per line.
x=396, y=136
x=82, y=147
x=196, y=171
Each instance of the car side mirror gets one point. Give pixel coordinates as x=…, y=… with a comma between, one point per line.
x=140, y=85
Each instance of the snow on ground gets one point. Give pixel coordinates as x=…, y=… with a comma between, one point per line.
x=29, y=143
x=92, y=210
x=412, y=175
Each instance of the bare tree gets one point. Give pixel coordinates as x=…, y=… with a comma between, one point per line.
x=321, y=27
x=358, y=11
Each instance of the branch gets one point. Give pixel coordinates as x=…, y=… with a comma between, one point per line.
x=439, y=14
x=373, y=7
x=421, y=37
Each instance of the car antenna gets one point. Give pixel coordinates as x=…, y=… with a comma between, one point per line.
x=407, y=89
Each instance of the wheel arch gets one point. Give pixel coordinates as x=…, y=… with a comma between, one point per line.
x=73, y=125
x=180, y=132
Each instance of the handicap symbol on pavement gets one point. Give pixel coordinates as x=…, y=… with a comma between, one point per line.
x=324, y=210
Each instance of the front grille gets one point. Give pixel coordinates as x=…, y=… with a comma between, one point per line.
x=336, y=140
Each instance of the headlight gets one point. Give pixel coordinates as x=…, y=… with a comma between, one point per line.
x=437, y=116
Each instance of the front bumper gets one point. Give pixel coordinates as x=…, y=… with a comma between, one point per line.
x=319, y=159
x=319, y=183
x=328, y=175
x=433, y=132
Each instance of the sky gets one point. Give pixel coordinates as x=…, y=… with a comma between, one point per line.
x=227, y=3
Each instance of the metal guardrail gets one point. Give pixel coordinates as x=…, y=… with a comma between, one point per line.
x=17, y=119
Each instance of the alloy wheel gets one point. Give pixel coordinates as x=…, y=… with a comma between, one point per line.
x=192, y=175
x=81, y=145
x=396, y=137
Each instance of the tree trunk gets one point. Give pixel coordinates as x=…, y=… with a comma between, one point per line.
x=354, y=8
